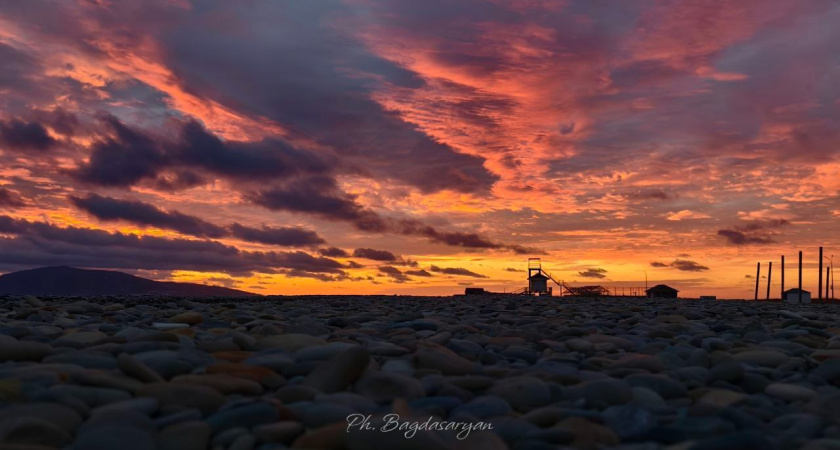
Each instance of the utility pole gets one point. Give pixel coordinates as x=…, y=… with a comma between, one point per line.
x=757, y=277
x=800, y=276
x=827, y=271
x=769, y=276
x=819, y=286
x=782, y=296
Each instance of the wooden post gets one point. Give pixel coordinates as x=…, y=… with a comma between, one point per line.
x=769, y=276
x=783, y=278
x=827, y=271
x=800, y=276
x=757, y=277
x=819, y=288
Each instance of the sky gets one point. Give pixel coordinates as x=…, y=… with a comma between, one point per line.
x=421, y=147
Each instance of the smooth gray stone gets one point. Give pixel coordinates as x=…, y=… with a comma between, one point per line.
x=628, y=421
x=186, y=415
x=27, y=430
x=385, y=387
x=522, y=393
x=143, y=405
x=340, y=370
x=600, y=393
x=243, y=416
x=114, y=437
x=665, y=386
x=190, y=435
x=92, y=396
x=62, y=416
x=484, y=407
x=319, y=415
x=283, y=432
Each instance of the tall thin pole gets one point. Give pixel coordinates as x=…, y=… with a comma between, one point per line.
x=827, y=272
x=819, y=288
x=800, y=276
x=769, y=276
x=783, y=279
x=757, y=277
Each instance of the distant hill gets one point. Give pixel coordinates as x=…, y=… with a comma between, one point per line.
x=68, y=281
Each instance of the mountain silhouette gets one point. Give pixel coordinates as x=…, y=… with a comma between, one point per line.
x=70, y=281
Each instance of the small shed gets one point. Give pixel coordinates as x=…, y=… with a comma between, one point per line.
x=661, y=291
x=792, y=296
x=538, y=283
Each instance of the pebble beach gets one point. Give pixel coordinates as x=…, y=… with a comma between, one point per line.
x=525, y=373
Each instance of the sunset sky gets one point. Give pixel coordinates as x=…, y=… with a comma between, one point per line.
x=421, y=146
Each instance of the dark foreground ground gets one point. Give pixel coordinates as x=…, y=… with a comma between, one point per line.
x=141, y=373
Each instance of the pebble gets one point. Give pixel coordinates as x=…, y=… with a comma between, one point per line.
x=790, y=392
x=769, y=358
x=634, y=374
x=191, y=435
x=283, y=432
x=340, y=371
x=383, y=387
x=130, y=366
x=444, y=360
x=187, y=317
x=14, y=350
x=184, y=396
x=291, y=342
x=522, y=393
x=33, y=431
x=248, y=415
x=600, y=393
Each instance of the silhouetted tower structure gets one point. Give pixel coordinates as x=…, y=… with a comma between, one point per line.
x=537, y=280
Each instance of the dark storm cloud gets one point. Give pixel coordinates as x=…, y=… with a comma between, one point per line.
x=688, y=266
x=145, y=214
x=111, y=209
x=40, y=244
x=333, y=252
x=22, y=136
x=681, y=264
x=375, y=255
x=127, y=156
x=394, y=273
x=265, y=159
x=321, y=196
x=283, y=236
x=457, y=271
x=757, y=225
x=59, y=119
x=122, y=159
x=178, y=180
x=756, y=232
x=10, y=199
x=593, y=273
x=418, y=273
x=738, y=238
x=318, y=79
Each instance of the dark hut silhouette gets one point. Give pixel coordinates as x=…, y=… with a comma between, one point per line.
x=661, y=291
